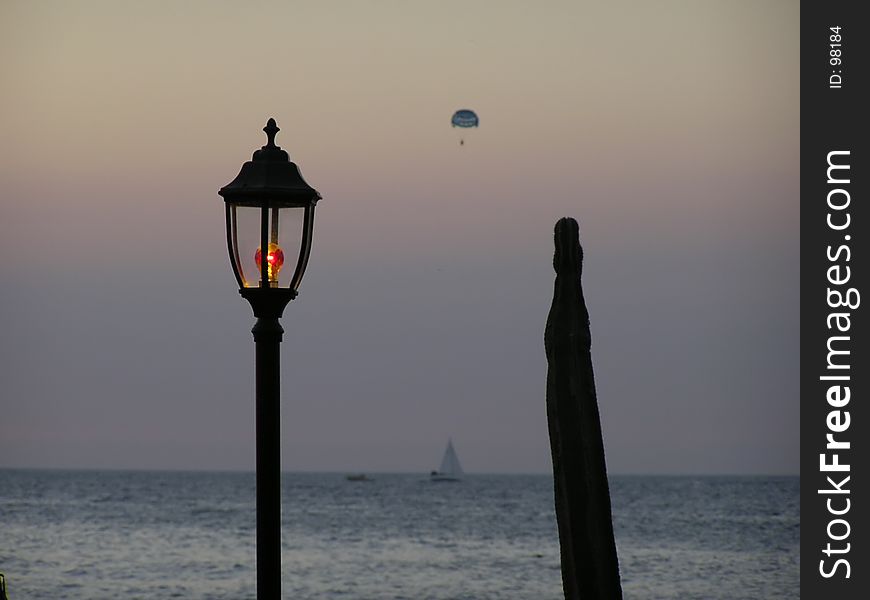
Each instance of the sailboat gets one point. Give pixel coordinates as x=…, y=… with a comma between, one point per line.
x=450, y=469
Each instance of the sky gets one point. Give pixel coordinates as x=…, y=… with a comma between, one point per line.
x=669, y=130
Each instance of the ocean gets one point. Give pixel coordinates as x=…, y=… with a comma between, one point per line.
x=133, y=534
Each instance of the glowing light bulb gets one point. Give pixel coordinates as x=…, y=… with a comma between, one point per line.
x=274, y=262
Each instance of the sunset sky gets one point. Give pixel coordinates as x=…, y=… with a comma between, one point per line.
x=669, y=130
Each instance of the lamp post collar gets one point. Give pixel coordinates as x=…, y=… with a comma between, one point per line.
x=268, y=303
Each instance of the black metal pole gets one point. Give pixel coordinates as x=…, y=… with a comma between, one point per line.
x=267, y=339
x=268, y=305
x=269, y=182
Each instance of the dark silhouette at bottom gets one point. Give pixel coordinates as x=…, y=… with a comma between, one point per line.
x=590, y=569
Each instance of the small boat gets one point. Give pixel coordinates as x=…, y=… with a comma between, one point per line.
x=359, y=477
x=450, y=469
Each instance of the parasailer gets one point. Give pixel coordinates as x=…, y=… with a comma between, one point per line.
x=464, y=119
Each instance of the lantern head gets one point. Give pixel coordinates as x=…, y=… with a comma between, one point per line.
x=269, y=205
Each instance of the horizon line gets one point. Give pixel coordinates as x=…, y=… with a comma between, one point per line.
x=388, y=472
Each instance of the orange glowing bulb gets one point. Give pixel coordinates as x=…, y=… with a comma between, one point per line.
x=274, y=261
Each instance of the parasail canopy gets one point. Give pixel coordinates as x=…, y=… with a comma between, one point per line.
x=465, y=118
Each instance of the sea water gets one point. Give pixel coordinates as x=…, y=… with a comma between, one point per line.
x=114, y=534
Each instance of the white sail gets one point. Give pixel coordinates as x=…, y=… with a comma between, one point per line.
x=450, y=467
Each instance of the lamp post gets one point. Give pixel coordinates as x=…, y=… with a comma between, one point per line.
x=269, y=211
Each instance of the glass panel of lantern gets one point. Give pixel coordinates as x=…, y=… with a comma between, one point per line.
x=283, y=229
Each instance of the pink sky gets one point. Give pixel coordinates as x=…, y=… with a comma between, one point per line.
x=670, y=130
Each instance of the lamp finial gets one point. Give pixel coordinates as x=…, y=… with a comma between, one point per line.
x=271, y=152
x=271, y=130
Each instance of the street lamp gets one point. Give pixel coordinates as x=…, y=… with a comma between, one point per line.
x=270, y=222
